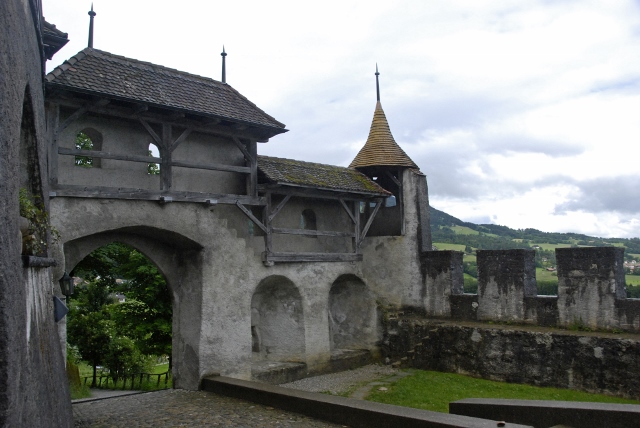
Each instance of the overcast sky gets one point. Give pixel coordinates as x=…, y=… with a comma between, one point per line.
x=524, y=114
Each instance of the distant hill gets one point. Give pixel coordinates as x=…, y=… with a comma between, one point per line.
x=443, y=229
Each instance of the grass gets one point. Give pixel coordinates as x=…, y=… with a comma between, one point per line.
x=434, y=391
x=445, y=246
x=632, y=279
x=544, y=275
x=147, y=385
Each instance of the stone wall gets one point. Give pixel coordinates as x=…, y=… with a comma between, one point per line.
x=591, y=289
x=33, y=385
x=603, y=364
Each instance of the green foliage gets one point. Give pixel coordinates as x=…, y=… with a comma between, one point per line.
x=83, y=142
x=434, y=391
x=547, y=288
x=120, y=336
x=153, y=168
x=470, y=285
x=32, y=208
x=633, y=291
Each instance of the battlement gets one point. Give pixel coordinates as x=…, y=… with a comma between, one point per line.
x=591, y=289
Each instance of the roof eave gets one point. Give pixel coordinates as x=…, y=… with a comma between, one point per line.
x=270, y=130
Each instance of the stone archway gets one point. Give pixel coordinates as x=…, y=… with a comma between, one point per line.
x=178, y=259
x=353, y=316
x=277, y=321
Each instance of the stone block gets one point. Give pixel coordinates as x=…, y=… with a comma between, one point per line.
x=505, y=278
x=590, y=280
x=443, y=278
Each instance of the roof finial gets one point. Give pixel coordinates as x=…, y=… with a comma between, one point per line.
x=377, y=84
x=91, y=14
x=224, y=65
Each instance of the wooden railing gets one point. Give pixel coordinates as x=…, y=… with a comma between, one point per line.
x=139, y=377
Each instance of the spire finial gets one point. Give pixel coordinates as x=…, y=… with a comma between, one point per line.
x=91, y=14
x=224, y=65
x=377, y=84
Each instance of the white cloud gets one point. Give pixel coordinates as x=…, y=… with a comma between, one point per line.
x=524, y=113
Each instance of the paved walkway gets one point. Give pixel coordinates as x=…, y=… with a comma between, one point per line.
x=180, y=408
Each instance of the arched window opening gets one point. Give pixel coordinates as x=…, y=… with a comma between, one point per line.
x=153, y=168
x=88, y=139
x=308, y=220
x=121, y=316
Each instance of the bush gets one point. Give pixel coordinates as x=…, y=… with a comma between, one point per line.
x=470, y=285
x=547, y=288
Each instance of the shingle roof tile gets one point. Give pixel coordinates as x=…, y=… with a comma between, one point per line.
x=315, y=175
x=103, y=73
x=381, y=149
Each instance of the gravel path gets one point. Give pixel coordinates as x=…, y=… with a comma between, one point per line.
x=343, y=382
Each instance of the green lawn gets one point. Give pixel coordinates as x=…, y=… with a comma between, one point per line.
x=544, y=275
x=433, y=391
x=463, y=230
x=632, y=279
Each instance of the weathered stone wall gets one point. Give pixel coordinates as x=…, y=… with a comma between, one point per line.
x=505, y=278
x=603, y=364
x=591, y=289
x=33, y=385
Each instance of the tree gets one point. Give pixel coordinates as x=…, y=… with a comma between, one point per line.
x=83, y=142
x=89, y=327
x=146, y=315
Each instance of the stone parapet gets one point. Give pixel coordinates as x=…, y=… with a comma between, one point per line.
x=443, y=278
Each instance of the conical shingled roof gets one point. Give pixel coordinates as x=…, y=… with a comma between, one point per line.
x=381, y=149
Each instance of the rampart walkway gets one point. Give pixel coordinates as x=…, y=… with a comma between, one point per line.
x=181, y=408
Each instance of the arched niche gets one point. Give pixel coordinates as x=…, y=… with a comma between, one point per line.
x=277, y=321
x=353, y=316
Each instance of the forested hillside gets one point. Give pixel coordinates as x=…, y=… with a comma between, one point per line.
x=493, y=236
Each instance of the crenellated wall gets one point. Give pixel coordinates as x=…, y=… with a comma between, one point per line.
x=591, y=289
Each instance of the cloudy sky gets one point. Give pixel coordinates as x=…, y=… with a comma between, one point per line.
x=524, y=114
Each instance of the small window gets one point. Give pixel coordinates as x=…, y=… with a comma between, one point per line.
x=308, y=220
x=88, y=139
x=390, y=201
x=153, y=168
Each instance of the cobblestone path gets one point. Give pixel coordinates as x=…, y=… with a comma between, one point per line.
x=180, y=408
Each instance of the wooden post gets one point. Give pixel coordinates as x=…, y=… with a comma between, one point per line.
x=53, y=121
x=252, y=178
x=165, y=168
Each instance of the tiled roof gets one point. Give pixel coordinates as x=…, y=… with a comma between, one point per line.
x=381, y=149
x=315, y=175
x=53, y=39
x=98, y=72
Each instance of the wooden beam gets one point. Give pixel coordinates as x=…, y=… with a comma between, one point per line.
x=307, y=232
x=393, y=178
x=242, y=148
x=368, y=225
x=311, y=257
x=53, y=120
x=279, y=207
x=251, y=217
x=98, y=192
x=181, y=138
x=68, y=121
x=107, y=155
x=213, y=167
x=309, y=192
x=348, y=210
x=252, y=178
x=166, y=175
x=268, y=243
x=151, y=132
x=253, y=131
